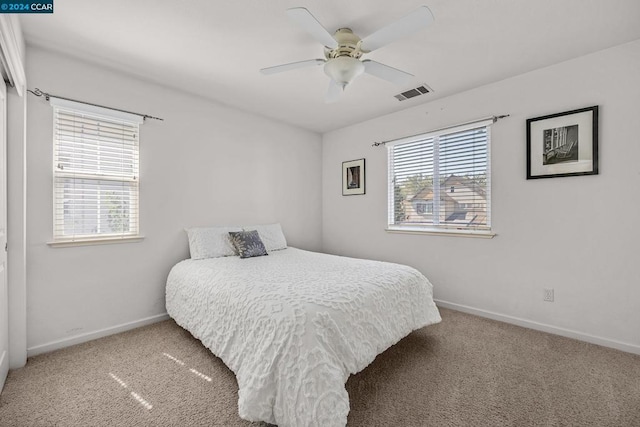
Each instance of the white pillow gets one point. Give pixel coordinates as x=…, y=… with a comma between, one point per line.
x=210, y=242
x=271, y=235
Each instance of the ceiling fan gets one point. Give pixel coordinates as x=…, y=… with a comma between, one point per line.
x=343, y=50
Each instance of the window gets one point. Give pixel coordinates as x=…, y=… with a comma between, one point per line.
x=423, y=208
x=95, y=173
x=441, y=182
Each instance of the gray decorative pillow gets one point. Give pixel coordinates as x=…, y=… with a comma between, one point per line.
x=247, y=243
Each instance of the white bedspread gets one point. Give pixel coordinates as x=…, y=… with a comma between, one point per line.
x=294, y=325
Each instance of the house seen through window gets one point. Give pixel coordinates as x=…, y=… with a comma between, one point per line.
x=441, y=180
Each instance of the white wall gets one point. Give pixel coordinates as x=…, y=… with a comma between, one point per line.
x=578, y=235
x=206, y=164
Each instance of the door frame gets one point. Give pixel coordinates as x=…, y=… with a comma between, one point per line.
x=12, y=55
x=4, y=284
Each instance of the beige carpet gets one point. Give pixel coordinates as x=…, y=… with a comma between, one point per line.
x=466, y=371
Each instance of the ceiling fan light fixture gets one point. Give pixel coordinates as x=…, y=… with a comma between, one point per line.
x=343, y=69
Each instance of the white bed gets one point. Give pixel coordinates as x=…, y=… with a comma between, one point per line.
x=294, y=325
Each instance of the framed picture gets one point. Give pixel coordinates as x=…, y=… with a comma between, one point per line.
x=353, y=177
x=563, y=144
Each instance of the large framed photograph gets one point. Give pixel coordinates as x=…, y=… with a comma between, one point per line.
x=563, y=144
x=353, y=177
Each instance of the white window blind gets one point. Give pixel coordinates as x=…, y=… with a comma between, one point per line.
x=441, y=181
x=95, y=173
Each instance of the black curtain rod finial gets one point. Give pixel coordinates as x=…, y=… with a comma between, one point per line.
x=38, y=92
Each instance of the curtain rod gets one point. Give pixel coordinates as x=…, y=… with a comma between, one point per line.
x=47, y=96
x=494, y=118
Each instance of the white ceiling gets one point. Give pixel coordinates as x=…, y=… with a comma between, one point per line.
x=216, y=48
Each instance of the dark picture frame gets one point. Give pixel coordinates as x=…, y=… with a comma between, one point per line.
x=563, y=144
x=353, y=177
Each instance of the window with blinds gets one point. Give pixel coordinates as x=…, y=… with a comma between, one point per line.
x=441, y=181
x=95, y=173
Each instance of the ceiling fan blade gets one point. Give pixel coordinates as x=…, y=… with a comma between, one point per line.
x=292, y=66
x=387, y=73
x=416, y=20
x=306, y=20
x=334, y=92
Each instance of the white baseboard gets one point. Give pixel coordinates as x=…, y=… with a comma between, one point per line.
x=78, y=339
x=606, y=342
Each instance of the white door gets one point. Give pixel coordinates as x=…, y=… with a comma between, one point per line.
x=4, y=299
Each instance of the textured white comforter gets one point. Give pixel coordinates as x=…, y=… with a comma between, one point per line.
x=294, y=325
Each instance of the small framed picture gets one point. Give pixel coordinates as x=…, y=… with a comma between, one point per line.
x=563, y=144
x=353, y=177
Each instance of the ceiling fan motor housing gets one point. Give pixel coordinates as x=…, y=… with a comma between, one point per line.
x=348, y=45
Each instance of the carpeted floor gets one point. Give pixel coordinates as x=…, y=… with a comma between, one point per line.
x=466, y=371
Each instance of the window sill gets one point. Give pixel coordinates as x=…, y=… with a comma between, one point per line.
x=452, y=233
x=98, y=241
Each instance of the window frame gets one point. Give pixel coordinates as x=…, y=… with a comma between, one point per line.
x=429, y=229
x=96, y=113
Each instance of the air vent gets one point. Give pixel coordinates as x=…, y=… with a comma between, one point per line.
x=412, y=93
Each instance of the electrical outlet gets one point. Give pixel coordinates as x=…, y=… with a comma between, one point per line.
x=548, y=295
